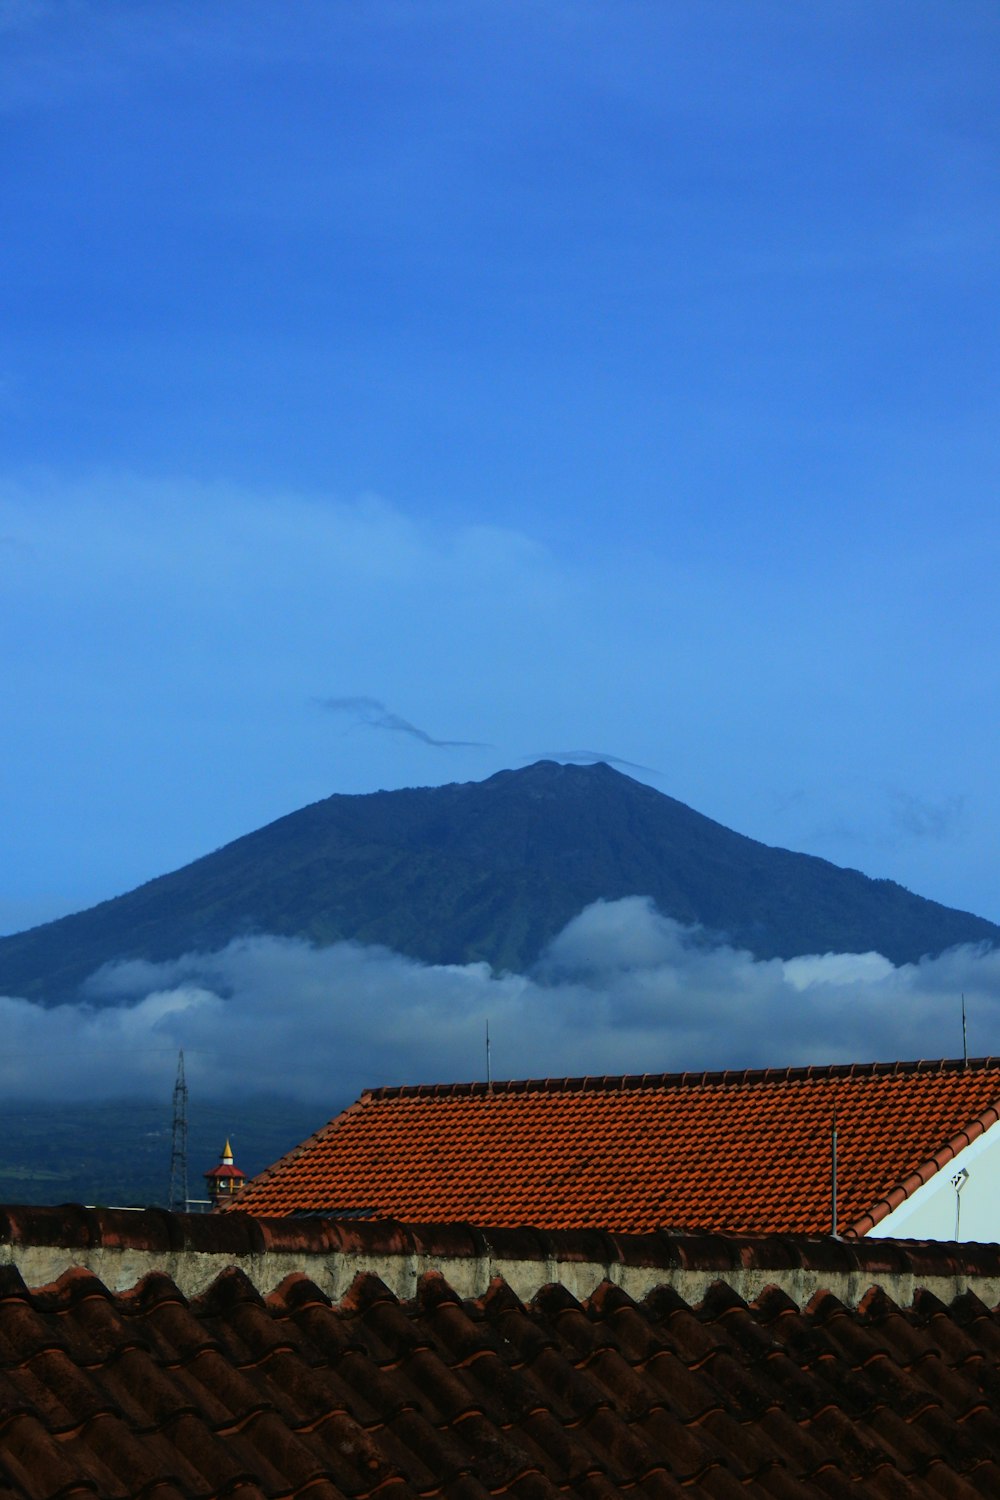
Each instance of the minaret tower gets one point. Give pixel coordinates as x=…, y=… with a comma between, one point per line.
x=225, y=1180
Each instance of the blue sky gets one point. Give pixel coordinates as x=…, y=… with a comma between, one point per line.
x=559, y=376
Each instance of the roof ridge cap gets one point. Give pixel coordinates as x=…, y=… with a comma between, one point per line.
x=690, y=1078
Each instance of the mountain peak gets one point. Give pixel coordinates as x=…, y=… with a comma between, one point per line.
x=552, y=772
x=487, y=871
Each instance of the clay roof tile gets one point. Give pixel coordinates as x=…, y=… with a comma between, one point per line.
x=739, y=1150
x=146, y=1393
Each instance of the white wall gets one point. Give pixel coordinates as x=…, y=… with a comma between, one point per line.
x=929, y=1213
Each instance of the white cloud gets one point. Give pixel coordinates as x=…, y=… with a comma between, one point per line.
x=622, y=989
x=840, y=969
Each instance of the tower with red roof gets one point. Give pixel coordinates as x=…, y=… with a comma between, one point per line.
x=225, y=1180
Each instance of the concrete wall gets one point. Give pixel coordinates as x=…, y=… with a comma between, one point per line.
x=193, y=1273
x=120, y=1248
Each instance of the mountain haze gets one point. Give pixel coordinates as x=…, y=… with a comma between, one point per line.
x=487, y=871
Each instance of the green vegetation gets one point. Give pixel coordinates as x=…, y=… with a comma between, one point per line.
x=28, y=1174
x=118, y=1154
x=487, y=871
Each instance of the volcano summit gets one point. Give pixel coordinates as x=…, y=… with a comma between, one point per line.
x=487, y=871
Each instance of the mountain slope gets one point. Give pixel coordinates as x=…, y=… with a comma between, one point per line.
x=487, y=871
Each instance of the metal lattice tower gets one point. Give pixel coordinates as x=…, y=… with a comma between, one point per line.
x=179, y=1151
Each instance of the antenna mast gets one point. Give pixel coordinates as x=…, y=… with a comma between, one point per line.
x=178, y=1156
x=965, y=1042
x=489, y=1059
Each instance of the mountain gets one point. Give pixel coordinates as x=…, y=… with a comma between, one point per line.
x=489, y=871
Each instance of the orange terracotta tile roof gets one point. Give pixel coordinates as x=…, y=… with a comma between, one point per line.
x=744, y=1151
x=147, y=1395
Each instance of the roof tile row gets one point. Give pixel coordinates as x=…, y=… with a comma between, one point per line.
x=146, y=1394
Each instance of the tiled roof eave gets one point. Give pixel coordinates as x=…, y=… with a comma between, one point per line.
x=908, y=1185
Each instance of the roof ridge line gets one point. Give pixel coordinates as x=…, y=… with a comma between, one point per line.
x=905, y=1187
x=806, y=1072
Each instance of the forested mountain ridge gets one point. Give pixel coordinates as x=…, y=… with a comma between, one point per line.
x=490, y=871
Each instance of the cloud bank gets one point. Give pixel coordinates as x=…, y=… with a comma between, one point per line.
x=621, y=989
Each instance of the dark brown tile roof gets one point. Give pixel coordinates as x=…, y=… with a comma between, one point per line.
x=743, y=1151
x=147, y=1394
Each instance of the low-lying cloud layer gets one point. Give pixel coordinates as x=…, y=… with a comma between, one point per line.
x=621, y=989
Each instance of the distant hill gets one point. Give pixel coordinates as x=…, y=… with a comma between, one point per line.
x=117, y=1152
x=491, y=871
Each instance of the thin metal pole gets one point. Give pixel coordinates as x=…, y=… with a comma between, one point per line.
x=958, y=1182
x=178, y=1152
x=965, y=1038
x=489, y=1061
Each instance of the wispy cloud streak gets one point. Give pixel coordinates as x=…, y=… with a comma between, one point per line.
x=919, y=818
x=374, y=713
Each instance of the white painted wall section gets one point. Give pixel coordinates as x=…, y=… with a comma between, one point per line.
x=935, y=1210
